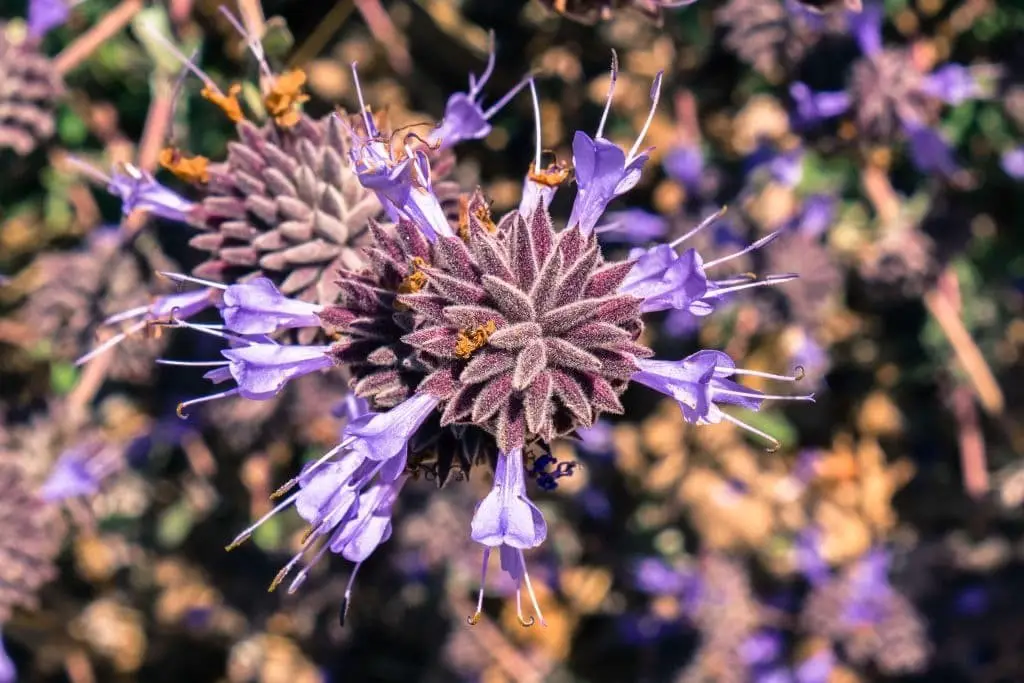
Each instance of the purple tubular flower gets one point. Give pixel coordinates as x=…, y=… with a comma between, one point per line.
x=464, y=118
x=699, y=382
x=164, y=309
x=953, y=84
x=402, y=185
x=44, y=15
x=139, y=190
x=1012, y=162
x=929, y=151
x=261, y=369
x=507, y=520
x=666, y=280
x=384, y=437
x=603, y=171
x=258, y=307
x=866, y=27
x=812, y=107
x=79, y=471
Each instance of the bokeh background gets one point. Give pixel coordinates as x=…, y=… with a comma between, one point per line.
x=883, y=540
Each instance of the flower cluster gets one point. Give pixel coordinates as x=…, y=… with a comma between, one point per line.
x=463, y=342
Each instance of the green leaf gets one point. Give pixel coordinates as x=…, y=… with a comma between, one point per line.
x=775, y=424
x=175, y=524
x=63, y=377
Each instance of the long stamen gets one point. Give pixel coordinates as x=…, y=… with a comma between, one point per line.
x=799, y=375
x=87, y=169
x=214, y=331
x=125, y=315
x=371, y=130
x=474, y=619
x=185, y=62
x=765, y=397
x=496, y=107
x=775, y=444
x=529, y=589
x=655, y=96
x=288, y=485
x=773, y=280
x=703, y=224
x=110, y=343
x=608, y=99
x=536, y=117
x=767, y=239
x=192, y=363
x=255, y=46
x=180, y=409
x=245, y=534
x=348, y=595
x=519, y=610
x=283, y=573
x=476, y=84
x=303, y=574
x=178, y=277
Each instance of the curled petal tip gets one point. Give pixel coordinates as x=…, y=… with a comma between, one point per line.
x=474, y=619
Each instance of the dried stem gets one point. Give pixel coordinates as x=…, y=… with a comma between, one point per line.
x=972, y=444
x=322, y=34
x=387, y=34
x=75, y=53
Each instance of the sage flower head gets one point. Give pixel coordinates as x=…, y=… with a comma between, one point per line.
x=32, y=88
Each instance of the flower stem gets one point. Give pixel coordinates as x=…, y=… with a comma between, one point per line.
x=83, y=46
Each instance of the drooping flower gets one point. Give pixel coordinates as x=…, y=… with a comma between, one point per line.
x=699, y=383
x=139, y=191
x=464, y=116
x=506, y=519
x=603, y=170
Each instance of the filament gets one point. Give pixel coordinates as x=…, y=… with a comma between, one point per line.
x=655, y=96
x=611, y=92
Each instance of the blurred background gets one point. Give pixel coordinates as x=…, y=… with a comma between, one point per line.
x=883, y=541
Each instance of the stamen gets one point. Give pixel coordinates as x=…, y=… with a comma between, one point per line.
x=469, y=341
x=178, y=277
x=775, y=444
x=476, y=84
x=371, y=129
x=125, y=315
x=766, y=375
x=655, y=96
x=529, y=589
x=180, y=410
x=288, y=485
x=87, y=169
x=519, y=611
x=185, y=62
x=193, y=170
x=216, y=331
x=764, y=397
x=474, y=619
x=303, y=574
x=348, y=595
x=110, y=343
x=611, y=92
x=767, y=282
x=192, y=363
x=253, y=43
x=537, y=122
x=770, y=237
x=703, y=224
x=506, y=98
x=244, y=536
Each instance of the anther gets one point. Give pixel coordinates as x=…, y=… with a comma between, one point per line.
x=524, y=623
x=474, y=618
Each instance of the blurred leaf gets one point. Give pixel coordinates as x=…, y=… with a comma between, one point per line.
x=63, y=377
x=174, y=524
x=774, y=423
x=152, y=28
x=278, y=40
x=269, y=535
x=71, y=129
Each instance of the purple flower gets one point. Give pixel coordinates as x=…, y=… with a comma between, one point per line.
x=596, y=439
x=685, y=165
x=384, y=437
x=655, y=577
x=139, y=190
x=44, y=15
x=929, y=152
x=666, y=280
x=634, y=226
x=79, y=471
x=817, y=668
x=258, y=307
x=603, y=171
x=699, y=382
x=507, y=520
x=260, y=369
x=8, y=673
x=763, y=647
x=1012, y=162
x=164, y=309
x=402, y=184
x=464, y=118
x=813, y=107
x=953, y=84
x=866, y=26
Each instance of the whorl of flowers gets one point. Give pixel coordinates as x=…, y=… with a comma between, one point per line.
x=29, y=89
x=470, y=342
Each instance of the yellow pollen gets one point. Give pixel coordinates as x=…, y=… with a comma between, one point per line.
x=471, y=340
x=413, y=282
x=194, y=170
x=285, y=96
x=482, y=213
x=552, y=176
x=229, y=103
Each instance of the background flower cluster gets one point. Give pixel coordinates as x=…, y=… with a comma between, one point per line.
x=882, y=541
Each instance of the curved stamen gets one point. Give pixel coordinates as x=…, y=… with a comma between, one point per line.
x=611, y=92
x=529, y=589
x=474, y=619
x=799, y=375
x=767, y=239
x=246, y=533
x=180, y=409
x=537, y=120
x=703, y=224
x=775, y=443
x=477, y=84
x=655, y=96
